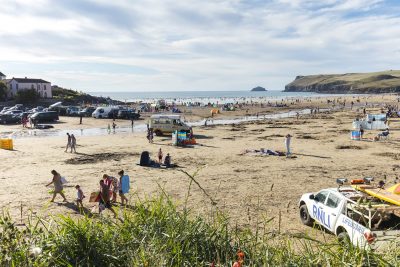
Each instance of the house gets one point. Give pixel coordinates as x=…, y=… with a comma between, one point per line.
x=17, y=84
x=2, y=76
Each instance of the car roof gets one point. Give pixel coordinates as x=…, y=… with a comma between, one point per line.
x=167, y=116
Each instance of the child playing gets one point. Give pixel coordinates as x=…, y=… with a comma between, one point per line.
x=81, y=196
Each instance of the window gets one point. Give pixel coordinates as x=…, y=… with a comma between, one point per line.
x=321, y=196
x=44, y=87
x=32, y=86
x=333, y=201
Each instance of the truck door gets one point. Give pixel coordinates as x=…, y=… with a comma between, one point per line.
x=318, y=211
x=332, y=210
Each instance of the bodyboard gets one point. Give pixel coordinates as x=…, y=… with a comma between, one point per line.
x=379, y=193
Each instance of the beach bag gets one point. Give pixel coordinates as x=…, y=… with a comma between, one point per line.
x=145, y=159
x=94, y=197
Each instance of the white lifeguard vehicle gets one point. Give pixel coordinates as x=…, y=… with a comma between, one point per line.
x=353, y=216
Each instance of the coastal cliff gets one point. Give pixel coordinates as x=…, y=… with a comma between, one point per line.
x=349, y=83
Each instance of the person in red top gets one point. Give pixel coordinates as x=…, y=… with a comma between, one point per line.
x=240, y=260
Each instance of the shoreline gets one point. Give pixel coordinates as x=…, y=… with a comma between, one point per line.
x=38, y=133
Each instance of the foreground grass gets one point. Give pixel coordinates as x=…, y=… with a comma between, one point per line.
x=155, y=233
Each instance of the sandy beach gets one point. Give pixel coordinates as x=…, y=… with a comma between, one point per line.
x=247, y=187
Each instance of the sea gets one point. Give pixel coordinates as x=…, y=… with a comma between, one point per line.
x=205, y=97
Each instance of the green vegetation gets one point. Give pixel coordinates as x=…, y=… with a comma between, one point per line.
x=3, y=91
x=155, y=233
x=376, y=82
x=72, y=97
x=29, y=96
x=62, y=93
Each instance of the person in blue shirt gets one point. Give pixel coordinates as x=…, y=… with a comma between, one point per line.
x=124, y=186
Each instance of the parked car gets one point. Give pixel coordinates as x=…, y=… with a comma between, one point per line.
x=105, y=112
x=62, y=111
x=87, y=112
x=72, y=111
x=5, y=109
x=9, y=118
x=167, y=124
x=14, y=112
x=128, y=114
x=44, y=116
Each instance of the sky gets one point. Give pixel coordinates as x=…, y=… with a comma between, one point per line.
x=192, y=45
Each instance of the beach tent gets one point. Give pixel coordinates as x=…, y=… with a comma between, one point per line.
x=371, y=122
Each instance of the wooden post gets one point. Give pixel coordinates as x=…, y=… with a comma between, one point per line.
x=279, y=222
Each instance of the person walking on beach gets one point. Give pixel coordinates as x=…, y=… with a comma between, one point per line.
x=80, y=197
x=124, y=186
x=68, y=143
x=287, y=143
x=58, y=186
x=160, y=156
x=150, y=135
x=105, y=202
x=73, y=143
x=113, y=126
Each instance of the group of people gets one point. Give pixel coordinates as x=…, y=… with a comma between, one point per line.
x=71, y=143
x=167, y=159
x=110, y=187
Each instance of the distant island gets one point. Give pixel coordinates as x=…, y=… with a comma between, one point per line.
x=258, y=89
x=349, y=83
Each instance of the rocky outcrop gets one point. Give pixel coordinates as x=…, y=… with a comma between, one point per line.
x=258, y=89
x=350, y=83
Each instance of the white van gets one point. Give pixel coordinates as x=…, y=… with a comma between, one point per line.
x=103, y=112
x=167, y=124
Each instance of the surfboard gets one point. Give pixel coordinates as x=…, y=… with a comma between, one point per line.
x=379, y=193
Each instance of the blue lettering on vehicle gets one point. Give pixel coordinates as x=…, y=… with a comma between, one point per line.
x=355, y=226
x=320, y=215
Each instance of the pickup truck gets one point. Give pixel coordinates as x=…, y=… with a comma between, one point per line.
x=353, y=216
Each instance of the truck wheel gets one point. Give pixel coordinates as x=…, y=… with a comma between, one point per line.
x=100, y=117
x=158, y=133
x=305, y=216
x=343, y=238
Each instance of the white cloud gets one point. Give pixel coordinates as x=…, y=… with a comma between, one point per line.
x=172, y=45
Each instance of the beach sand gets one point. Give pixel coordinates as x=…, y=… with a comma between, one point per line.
x=247, y=188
